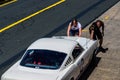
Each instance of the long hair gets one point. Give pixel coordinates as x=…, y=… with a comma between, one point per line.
x=73, y=21
x=92, y=27
x=101, y=23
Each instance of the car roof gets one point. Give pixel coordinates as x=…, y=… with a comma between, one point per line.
x=61, y=45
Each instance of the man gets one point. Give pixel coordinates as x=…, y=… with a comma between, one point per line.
x=97, y=32
x=74, y=28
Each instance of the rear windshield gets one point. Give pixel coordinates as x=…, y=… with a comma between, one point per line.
x=43, y=59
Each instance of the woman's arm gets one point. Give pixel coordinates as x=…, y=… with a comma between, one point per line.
x=68, y=30
x=80, y=32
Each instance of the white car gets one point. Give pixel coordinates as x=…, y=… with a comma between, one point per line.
x=55, y=58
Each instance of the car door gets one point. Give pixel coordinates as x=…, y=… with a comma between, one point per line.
x=77, y=51
x=82, y=60
x=74, y=69
x=71, y=70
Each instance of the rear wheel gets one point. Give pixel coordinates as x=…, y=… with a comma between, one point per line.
x=95, y=53
x=72, y=78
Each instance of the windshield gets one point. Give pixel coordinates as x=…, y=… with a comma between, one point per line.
x=43, y=59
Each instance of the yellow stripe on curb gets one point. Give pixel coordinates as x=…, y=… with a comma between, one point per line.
x=84, y=30
x=106, y=17
x=30, y=16
x=8, y=3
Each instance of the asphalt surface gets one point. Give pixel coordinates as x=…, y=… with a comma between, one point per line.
x=54, y=21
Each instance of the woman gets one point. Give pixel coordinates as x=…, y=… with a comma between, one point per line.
x=74, y=28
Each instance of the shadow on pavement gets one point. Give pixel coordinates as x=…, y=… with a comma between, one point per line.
x=93, y=63
x=90, y=68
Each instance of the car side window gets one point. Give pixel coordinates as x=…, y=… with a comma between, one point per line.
x=77, y=51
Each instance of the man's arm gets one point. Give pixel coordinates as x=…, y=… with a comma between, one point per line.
x=102, y=28
x=91, y=35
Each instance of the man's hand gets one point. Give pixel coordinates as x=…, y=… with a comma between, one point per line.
x=102, y=33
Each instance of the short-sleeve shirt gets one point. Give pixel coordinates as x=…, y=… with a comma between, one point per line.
x=77, y=27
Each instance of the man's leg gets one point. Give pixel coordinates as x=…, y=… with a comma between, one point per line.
x=100, y=42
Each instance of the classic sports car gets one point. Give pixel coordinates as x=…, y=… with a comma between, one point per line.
x=55, y=58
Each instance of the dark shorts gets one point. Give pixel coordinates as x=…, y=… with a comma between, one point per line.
x=97, y=36
x=74, y=32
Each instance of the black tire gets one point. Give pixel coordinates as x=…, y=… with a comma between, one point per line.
x=94, y=54
x=72, y=78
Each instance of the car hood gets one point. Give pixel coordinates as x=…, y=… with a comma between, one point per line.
x=24, y=73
